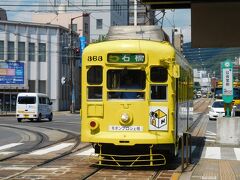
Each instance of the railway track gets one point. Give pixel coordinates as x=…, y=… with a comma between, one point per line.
x=41, y=143
x=66, y=165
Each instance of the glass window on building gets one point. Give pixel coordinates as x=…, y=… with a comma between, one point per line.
x=1, y=50
x=10, y=50
x=99, y=2
x=21, y=51
x=42, y=86
x=42, y=52
x=99, y=23
x=86, y=29
x=31, y=52
x=84, y=2
x=74, y=27
x=31, y=85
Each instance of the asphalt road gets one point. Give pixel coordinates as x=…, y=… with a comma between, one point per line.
x=61, y=121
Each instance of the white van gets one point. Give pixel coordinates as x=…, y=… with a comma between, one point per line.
x=33, y=106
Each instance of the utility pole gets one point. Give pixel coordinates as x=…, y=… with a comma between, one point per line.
x=72, y=107
x=135, y=12
x=72, y=65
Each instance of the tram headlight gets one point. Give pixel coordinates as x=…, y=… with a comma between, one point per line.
x=125, y=117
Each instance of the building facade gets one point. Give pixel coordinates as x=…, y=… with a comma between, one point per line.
x=202, y=77
x=145, y=15
x=80, y=21
x=34, y=58
x=102, y=14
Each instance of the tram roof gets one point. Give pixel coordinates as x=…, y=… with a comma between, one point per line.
x=154, y=33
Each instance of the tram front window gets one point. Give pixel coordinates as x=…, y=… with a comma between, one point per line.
x=126, y=84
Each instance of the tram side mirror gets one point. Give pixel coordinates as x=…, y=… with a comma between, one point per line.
x=176, y=71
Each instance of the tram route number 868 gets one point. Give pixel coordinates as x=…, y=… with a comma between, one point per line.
x=95, y=58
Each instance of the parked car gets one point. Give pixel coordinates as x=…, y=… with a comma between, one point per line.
x=33, y=106
x=216, y=110
x=199, y=94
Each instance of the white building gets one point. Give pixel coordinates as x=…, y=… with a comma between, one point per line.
x=203, y=78
x=34, y=58
x=103, y=13
x=145, y=15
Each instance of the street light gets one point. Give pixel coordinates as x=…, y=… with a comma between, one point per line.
x=72, y=107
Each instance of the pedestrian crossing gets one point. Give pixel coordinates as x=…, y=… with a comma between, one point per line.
x=210, y=137
x=44, y=151
x=217, y=153
x=223, y=153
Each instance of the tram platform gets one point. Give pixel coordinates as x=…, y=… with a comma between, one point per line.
x=212, y=159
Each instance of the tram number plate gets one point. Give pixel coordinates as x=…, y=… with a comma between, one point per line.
x=26, y=115
x=125, y=128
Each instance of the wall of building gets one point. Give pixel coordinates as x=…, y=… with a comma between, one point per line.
x=64, y=19
x=39, y=47
x=99, y=10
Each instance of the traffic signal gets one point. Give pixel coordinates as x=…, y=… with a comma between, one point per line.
x=76, y=52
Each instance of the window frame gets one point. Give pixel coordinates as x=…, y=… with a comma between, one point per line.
x=99, y=23
x=158, y=81
x=159, y=100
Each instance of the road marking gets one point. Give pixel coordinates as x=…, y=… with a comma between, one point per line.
x=237, y=153
x=7, y=146
x=210, y=140
x=210, y=133
x=87, y=152
x=15, y=168
x=6, y=152
x=51, y=149
x=213, y=153
x=211, y=137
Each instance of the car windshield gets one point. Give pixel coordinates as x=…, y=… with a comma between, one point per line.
x=26, y=100
x=218, y=104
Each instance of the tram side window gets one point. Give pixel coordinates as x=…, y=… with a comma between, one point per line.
x=94, y=75
x=158, y=92
x=159, y=74
x=95, y=92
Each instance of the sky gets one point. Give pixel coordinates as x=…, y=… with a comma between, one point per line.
x=19, y=10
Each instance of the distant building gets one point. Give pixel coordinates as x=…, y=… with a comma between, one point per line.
x=178, y=40
x=145, y=15
x=202, y=77
x=80, y=23
x=3, y=15
x=103, y=14
x=34, y=58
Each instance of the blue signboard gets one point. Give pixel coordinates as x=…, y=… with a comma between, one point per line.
x=11, y=73
x=83, y=43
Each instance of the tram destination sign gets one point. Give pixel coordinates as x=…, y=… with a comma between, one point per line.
x=11, y=73
x=126, y=58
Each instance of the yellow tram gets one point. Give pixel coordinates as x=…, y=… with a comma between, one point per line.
x=137, y=93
